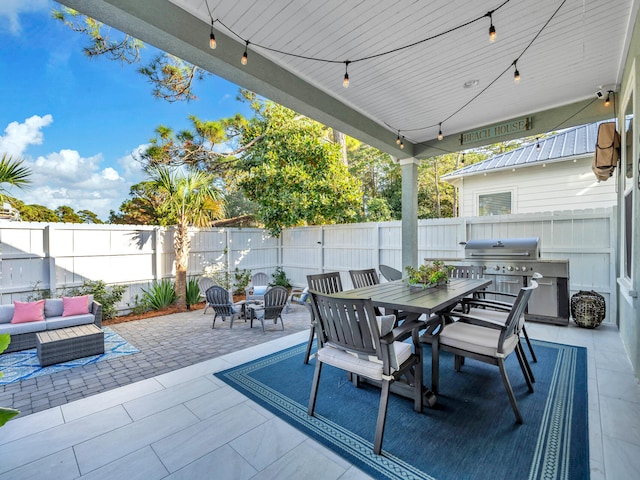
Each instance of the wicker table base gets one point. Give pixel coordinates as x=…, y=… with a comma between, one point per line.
x=64, y=344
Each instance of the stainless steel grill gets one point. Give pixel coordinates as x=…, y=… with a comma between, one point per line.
x=511, y=263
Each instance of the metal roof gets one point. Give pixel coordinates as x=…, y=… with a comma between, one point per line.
x=564, y=145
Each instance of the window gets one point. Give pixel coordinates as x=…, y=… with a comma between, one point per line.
x=494, y=204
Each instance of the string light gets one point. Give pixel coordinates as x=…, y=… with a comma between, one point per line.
x=245, y=55
x=212, y=38
x=398, y=138
x=492, y=29
x=345, y=81
x=440, y=136
x=607, y=101
x=516, y=73
x=402, y=143
x=462, y=161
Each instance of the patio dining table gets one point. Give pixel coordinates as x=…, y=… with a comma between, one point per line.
x=399, y=295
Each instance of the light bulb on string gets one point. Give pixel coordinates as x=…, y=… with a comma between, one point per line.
x=212, y=38
x=607, y=101
x=440, y=136
x=398, y=138
x=538, y=144
x=516, y=73
x=492, y=29
x=345, y=81
x=462, y=161
x=245, y=55
x=402, y=143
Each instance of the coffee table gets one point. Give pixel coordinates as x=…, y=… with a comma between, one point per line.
x=64, y=344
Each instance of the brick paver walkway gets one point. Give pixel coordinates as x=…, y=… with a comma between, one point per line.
x=166, y=343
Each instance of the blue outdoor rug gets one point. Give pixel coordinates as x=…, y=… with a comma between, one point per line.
x=24, y=364
x=470, y=434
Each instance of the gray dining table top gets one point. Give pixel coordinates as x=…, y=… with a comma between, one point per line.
x=399, y=295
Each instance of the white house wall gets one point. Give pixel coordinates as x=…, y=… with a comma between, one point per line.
x=563, y=185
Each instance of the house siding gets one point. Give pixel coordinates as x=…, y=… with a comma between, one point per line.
x=565, y=185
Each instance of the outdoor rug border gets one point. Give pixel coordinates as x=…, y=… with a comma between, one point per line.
x=551, y=457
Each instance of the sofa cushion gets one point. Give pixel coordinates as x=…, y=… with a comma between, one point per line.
x=28, y=327
x=6, y=313
x=70, y=321
x=53, y=307
x=75, y=305
x=28, y=312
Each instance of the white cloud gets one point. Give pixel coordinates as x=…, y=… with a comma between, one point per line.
x=18, y=136
x=10, y=11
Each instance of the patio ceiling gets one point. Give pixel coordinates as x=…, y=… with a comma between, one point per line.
x=581, y=48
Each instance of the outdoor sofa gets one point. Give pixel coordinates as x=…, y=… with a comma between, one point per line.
x=23, y=335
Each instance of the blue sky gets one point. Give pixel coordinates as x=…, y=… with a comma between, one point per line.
x=76, y=121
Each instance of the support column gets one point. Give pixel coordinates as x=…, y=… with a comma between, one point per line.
x=409, y=212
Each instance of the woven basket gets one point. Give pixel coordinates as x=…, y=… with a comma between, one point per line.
x=588, y=309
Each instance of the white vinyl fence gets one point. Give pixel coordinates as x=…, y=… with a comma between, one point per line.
x=37, y=256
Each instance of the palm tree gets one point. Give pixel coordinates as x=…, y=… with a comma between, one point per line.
x=13, y=173
x=190, y=199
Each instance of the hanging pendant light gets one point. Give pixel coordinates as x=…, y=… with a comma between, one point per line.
x=245, y=55
x=440, y=136
x=212, y=38
x=402, y=143
x=345, y=81
x=492, y=29
x=607, y=101
x=398, y=138
x=516, y=73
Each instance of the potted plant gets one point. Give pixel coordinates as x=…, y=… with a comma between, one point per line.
x=430, y=274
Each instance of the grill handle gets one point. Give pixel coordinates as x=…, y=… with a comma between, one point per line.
x=501, y=254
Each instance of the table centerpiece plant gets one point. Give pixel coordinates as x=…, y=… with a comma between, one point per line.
x=430, y=274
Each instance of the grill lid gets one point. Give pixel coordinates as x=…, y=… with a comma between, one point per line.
x=506, y=248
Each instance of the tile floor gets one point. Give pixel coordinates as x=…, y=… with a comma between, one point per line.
x=186, y=424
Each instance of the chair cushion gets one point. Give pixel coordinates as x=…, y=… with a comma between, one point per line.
x=370, y=367
x=493, y=315
x=475, y=338
x=260, y=290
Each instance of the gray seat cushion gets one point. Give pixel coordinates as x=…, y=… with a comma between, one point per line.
x=71, y=321
x=26, y=327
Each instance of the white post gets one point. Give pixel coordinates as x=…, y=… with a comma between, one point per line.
x=409, y=212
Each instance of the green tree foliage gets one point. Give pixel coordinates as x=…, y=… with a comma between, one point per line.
x=87, y=216
x=293, y=174
x=171, y=77
x=37, y=213
x=12, y=173
x=142, y=207
x=66, y=214
x=192, y=200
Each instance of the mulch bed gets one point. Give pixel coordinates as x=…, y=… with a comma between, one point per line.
x=150, y=314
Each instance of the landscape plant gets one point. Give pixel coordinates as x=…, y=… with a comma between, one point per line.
x=6, y=414
x=160, y=295
x=280, y=279
x=193, y=292
x=107, y=295
x=241, y=280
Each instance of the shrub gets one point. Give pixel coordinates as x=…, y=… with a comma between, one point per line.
x=193, y=292
x=280, y=278
x=160, y=295
x=137, y=305
x=241, y=280
x=107, y=295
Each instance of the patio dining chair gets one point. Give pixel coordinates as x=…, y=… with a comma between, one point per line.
x=275, y=299
x=484, y=337
x=323, y=283
x=390, y=274
x=218, y=299
x=364, y=345
x=364, y=278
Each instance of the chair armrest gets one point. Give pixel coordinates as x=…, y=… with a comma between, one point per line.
x=401, y=331
x=481, y=293
x=96, y=309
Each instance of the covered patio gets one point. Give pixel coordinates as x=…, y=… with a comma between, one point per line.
x=425, y=81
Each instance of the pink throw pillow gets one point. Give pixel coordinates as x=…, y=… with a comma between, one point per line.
x=75, y=305
x=28, y=311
